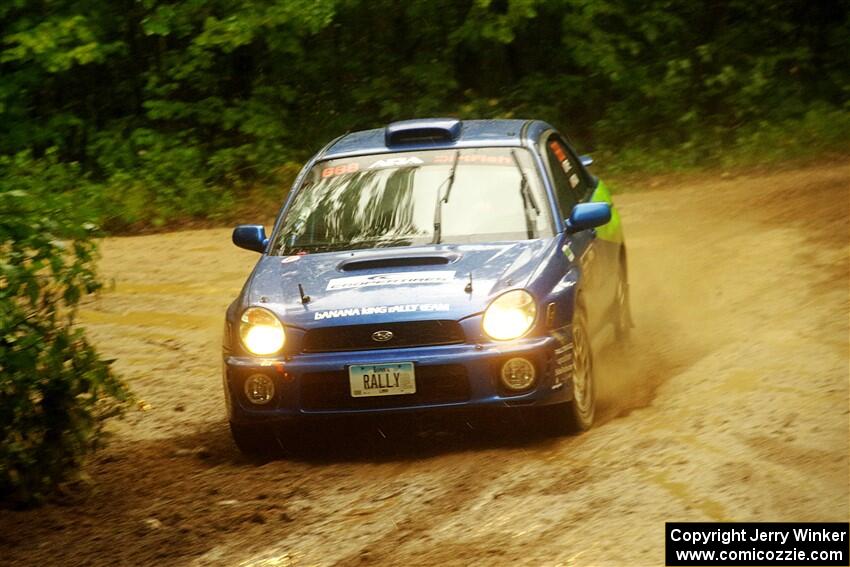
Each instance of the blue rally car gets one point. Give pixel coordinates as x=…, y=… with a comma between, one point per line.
x=429, y=265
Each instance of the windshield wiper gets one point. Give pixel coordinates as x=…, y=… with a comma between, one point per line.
x=441, y=200
x=527, y=197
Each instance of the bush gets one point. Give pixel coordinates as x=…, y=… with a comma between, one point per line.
x=822, y=131
x=55, y=390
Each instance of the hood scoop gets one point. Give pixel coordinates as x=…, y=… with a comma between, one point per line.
x=396, y=261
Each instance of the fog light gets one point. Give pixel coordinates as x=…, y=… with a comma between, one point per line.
x=518, y=374
x=259, y=389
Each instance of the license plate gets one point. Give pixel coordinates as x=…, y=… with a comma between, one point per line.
x=381, y=379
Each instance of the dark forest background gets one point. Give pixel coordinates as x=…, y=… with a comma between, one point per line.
x=154, y=112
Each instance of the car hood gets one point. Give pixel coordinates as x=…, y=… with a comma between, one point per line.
x=415, y=283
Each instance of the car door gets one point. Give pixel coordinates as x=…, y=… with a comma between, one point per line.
x=571, y=187
x=608, y=238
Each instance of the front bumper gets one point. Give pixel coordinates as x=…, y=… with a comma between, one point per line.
x=448, y=377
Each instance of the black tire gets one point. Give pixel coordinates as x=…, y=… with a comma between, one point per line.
x=255, y=440
x=577, y=415
x=622, y=305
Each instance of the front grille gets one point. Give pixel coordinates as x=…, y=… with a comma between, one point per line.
x=438, y=384
x=404, y=334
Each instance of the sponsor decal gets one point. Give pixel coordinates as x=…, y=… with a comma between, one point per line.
x=401, y=278
x=340, y=169
x=557, y=150
x=565, y=162
x=396, y=162
x=564, y=362
x=568, y=252
x=474, y=158
x=381, y=309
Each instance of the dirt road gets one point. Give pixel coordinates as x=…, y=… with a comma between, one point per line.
x=731, y=403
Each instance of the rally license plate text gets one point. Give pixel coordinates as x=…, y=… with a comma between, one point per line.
x=381, y=379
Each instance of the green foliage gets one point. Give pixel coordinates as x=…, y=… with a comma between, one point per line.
x=54, y=389
x=821, y=132
x=57, y=45
x=178, y=110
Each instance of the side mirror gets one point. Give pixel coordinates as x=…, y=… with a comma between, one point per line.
x=588, y=215
x=250, y=237
x=586, y=160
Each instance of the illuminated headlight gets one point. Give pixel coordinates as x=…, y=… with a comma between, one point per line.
x=510, y=316
x=259, y=389
x=261, y=331
x=518, y=374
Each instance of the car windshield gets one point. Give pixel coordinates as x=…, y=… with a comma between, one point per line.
x=414, y=198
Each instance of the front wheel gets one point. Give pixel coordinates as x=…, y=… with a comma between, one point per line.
x=622, y=307
x=255, y=440
x=577, y=415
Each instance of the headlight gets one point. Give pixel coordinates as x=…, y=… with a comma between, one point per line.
x=261, y=331
x=510, y=316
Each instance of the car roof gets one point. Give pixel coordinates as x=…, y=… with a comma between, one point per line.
x=434, y=133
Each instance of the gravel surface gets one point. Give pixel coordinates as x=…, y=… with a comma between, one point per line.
x=729, y=403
